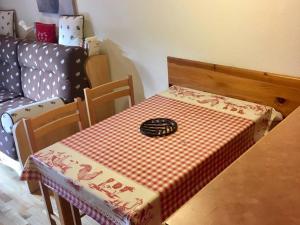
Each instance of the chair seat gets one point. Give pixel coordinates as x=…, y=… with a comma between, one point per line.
x=6, y=95
x=6, y=140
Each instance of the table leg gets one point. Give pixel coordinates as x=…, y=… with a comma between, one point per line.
x=64, y=210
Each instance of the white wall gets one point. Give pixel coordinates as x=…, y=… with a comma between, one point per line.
x=138, y=35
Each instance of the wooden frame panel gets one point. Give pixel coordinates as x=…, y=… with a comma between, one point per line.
x=279, y=91
x=95, y=97
x=63, y=117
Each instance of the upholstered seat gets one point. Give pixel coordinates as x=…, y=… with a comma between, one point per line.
x=6, y=95
x=6, y=140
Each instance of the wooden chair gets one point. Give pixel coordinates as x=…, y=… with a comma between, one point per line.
x=106, y=93
x=47, y=129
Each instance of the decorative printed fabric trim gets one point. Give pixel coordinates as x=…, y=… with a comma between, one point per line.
x=257, y=113
x=118, y=198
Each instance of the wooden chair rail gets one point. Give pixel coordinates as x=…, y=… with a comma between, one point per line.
x=107, y=93
x=61, y=117
x=50, y=116
x=55, y=125
x=109, y=87
x=111, y=96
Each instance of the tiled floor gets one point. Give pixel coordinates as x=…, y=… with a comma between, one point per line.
x=17, y=206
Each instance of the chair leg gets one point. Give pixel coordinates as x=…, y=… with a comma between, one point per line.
x=76, y=215
x=47, y=202
x=33, y=187
x=64, y=210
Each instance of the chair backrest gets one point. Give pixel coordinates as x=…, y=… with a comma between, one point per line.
x=106, y=93
x=56, y=125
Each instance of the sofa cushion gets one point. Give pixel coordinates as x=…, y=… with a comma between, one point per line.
x=7, y=22
x=52, y=70
x=45, y=32
x=10, y=76
x=6, y=140
x=71, y=30
x=13, y=116
x=6, y=95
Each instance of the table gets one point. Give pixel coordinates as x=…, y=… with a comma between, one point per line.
x=261, y=187
x=116, y=175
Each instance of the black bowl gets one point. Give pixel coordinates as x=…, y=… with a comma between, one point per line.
x=158, y=127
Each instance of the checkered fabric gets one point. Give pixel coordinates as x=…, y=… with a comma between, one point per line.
x=176, y=166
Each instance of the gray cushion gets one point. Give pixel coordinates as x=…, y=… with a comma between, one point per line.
x=71, y=30
x=6, y=95
x=45, y=70
x=52, y=70
x=10, y=75
x=6, y=140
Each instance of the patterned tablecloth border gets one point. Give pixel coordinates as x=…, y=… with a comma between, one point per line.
x=114, y=196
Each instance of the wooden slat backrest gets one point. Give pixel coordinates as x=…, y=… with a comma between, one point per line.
x=47, y=129
x=106, y=93
x=65, y=120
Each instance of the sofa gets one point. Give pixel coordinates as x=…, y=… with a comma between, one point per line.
x=33, y=72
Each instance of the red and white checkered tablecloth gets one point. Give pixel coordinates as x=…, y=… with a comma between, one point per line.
x=177, y=166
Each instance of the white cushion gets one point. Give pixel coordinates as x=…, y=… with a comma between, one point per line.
x=71, y=30
x=7, y=22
